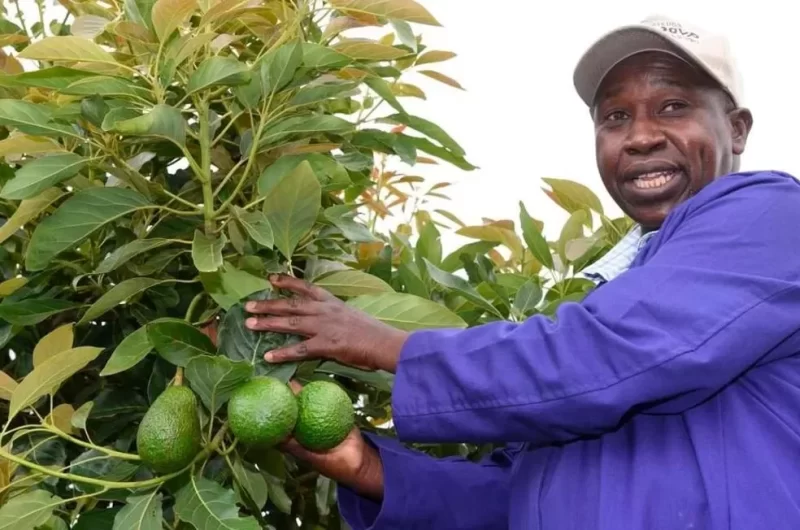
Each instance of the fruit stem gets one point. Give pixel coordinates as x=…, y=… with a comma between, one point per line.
x=110, y=452
x=119, y=485
x=178, y=381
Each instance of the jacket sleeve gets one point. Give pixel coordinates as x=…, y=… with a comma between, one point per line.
x=717, y=294
x=423, y=492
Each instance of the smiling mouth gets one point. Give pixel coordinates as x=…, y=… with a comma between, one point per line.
x=655, y=179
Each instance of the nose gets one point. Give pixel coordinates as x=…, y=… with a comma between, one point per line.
x=644, y=137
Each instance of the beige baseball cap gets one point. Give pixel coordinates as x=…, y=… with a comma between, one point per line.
x=710, y=52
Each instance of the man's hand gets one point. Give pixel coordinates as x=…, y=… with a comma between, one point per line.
x=352, y=463
x=333, y=329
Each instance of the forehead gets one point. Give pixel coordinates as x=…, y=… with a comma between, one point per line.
x=656, y=69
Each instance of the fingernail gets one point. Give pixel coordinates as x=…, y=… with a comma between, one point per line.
x=269, y=357
x=273, y=278
x=251, y=322
x=250, y=306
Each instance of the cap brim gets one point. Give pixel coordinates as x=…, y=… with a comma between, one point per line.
x=616, y=46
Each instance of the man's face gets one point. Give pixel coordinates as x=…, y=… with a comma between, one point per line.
x=663, y=131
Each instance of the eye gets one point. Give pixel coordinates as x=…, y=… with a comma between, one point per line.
x=674, y=106
x=614, y=115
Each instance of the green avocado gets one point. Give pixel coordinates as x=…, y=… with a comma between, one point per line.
x=325, y=416
x=168, y=438
x=262, y=412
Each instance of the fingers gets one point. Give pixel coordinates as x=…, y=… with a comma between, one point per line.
x=296, y=285
x=294, y=324
x=284, y=306
x=308, y=349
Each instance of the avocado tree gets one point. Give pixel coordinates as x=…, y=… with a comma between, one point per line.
x=160, y=161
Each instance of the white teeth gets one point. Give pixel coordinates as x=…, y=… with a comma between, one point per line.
x=654, y=180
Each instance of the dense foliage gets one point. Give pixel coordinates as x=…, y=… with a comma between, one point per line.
x=162, y=158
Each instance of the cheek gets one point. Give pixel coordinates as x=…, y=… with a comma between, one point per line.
x=607, y=156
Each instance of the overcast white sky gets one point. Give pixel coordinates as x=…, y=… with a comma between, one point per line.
x=520, y=119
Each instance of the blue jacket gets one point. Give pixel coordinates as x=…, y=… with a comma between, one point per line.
x=669, y=398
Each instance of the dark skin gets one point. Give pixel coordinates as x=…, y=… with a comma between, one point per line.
x=653, y=114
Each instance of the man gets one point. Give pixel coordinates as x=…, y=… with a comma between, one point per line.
x=669, y=398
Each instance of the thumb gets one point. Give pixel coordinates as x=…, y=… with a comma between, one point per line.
x=295, y=385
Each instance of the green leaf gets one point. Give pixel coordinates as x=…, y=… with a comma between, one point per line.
x=88, y=26
x=429, y=129
x=117, y=115
x=132, y=349
x=81, y=415
x=55, y=342
x=27, y=210
x=321, y=57
x=251, y=481
x=162, y=121
x=369, y=50
x=228, y=285
x=126, y=252
x=94, y=109
x=46, y=378
x=218, y=71
x=119, y=294
x=28, y=510
x=32, y=311
x=573, y=196
x=257, y=226
x=460, y=286
x=54, y=522
x=572, y=229
x=206, y=505
x=377, y=379
x=327, y=170
x=100, y=518
x=67, y=48
x=106, y=86
x=429, y=147
x=320, y=92
x=214, y=378
x=324, y=495
x=169, y=15
x=141, y=512
x=77, y=218
x=207, y=251
x=350, y=283
x=7, y=386
x=406, y=311
x=453, y=262
x=249, y=94
x=239, y=343
x=178, y=341
x=139, y=11
x=534, y=238
x=292, y=207
x=434, y=56
x=405, y=33
x=313, y=124
x=31, y=118
x=528, y=296
x=279, y=66
x=18, y=144
x=41, y=173
x=55, y=77
x=382, y=88
x=408, y=10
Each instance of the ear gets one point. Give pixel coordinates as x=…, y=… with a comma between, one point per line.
x=741, y=121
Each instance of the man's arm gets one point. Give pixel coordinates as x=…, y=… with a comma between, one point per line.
x=422, y=492
x=718, y=297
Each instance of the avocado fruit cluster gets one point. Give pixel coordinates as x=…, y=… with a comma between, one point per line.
x=262, y=412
